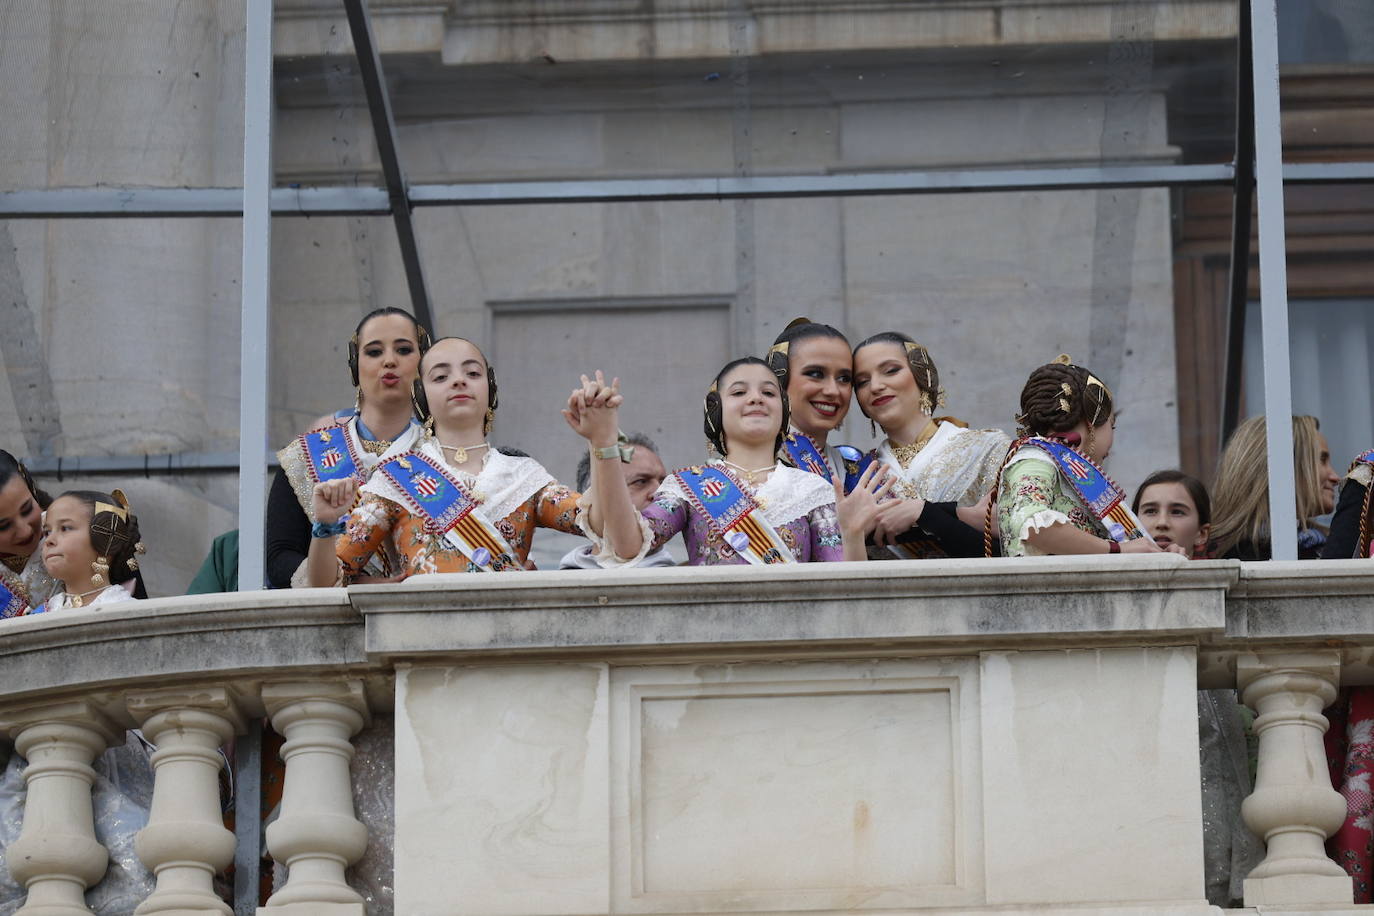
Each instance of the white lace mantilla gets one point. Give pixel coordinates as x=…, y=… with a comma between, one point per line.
x=787, y=495
x=956, y=465
x=504, y=484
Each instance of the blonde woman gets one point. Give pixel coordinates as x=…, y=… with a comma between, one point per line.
x=1240, y=497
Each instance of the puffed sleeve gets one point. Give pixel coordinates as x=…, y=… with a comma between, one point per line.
x=827, y=544
x=369, y=523
x=557, y=507
x=1025, y=505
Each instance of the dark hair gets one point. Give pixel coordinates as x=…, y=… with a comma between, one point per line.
x=124, y=542
x=422, y=402
x=1195, y=489
x=779, y=357
x=354, y=342
x=917, y=359
x=1058, y=396
x=584, y=464
x=712, y=408
x=10, y=466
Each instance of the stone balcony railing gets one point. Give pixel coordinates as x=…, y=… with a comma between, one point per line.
x=1014, y=735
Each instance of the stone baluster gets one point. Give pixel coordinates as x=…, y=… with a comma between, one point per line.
x=57, y=855
x=317, y=835
x=186, y=842
x=1293, y=806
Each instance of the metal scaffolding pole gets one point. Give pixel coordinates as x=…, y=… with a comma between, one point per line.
x=1278, y=391
x=254, y=329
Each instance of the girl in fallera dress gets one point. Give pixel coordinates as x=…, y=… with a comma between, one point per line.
x=91, y=544
x=943, y=470
x=453, y=503
x=383, y=361
x=745, y=506
x=24, y=582
x=1053, y=497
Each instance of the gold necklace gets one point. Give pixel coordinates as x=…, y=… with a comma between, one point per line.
x=375, y=446
x=905, y=454
x=460, y=452
x=79, y=600
x=749, y=476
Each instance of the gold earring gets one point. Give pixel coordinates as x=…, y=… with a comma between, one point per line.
x=100, y=568
x=873, y=427
x=1090, y=451
x=487, y=420
x=429, y=426
x=926, y=406
x=358, y=400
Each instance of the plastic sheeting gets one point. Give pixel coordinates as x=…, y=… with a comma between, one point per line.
x=374, y=801
x=121, y=796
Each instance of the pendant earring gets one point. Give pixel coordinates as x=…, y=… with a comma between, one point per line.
x=429, y=426
x=1089, y=450
x=358, y=401
x=100, y=568
x=926, y=406
x=487, y=420
x=873, y=427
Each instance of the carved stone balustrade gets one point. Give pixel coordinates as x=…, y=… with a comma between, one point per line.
x=1014, y=735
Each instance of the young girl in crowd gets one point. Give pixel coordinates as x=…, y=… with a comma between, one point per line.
x=1053, y=498
x=24, y=582
x=452, y=503
x=1240, y=528
x=943, y=469
x=1175, y=509
x=745, y=506
x=384, y=362
x=91, y=544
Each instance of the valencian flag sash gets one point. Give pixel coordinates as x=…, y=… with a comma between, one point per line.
x=804, y=455
x=446, y=508
x=728, y=508
x=329, y=455
x=12, y=600
x=855, y=463
x=1099, y=493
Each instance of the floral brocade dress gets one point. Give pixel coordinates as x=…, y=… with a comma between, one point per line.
x=516, y=495
x=799, y=505
x=1033, y=497
x=28, y=579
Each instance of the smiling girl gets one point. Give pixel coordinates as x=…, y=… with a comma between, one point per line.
x=746, y=506
x=452, y=503
x=91, y=544
x=24, y=582
x=943, y=469
x=816, y=369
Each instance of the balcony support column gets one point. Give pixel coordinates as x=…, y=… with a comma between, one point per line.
x=1293, y=806
x=317, y=835
x=186, y=843
x=57, y=855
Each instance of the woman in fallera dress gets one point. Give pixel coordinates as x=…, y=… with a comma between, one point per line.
x=453, y=503
x=815, y=368
x=24, y=582
x=383, y=360
x=943, y=470
x=745, y=506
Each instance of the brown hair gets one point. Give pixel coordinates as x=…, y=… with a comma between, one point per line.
x=1058, y=396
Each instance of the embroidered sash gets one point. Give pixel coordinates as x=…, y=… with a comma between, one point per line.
x=446, y=508
x=855, y=463
x=1099, y=494
x=804, y=455
x=329, y=455
x=14, y=601
x=729, y=509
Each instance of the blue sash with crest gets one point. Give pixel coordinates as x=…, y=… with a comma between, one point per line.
x=719, y=498
x=1364, y=458
x=855, y=463
x=1099, y=493
x=803, y=454
x=446, y=508
x=329, y=455
x=12, y=602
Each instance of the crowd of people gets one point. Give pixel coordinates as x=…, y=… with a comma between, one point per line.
x=407, y=482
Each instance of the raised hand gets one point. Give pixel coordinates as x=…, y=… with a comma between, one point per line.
x=333, y=499
x=592, y=410
x=859, y=510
